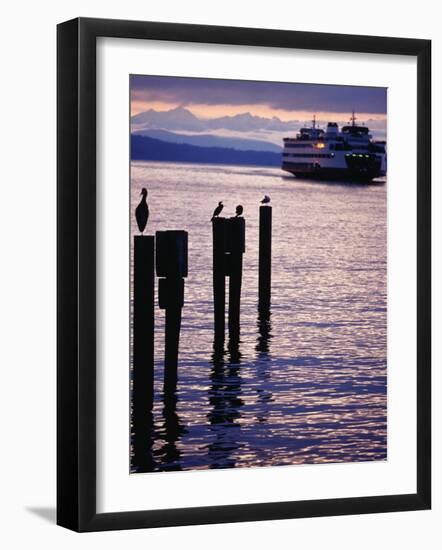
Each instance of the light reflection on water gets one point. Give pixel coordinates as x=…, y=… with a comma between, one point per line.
x=307, y=383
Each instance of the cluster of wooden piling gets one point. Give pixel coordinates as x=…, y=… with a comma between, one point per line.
x=166, y=254
x=169, y=259
x=229, y=238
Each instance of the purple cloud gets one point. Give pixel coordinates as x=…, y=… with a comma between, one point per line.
x=277, y=95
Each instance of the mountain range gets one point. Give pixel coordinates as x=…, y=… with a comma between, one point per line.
x=181, y=119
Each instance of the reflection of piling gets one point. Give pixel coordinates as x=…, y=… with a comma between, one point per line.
x=142, y=459
x=143, y=328
x=235, y=248
x=225, y=402
x=265, y=332
x=219, y=273
x=265, y=257
x=173, y=432
x=171, y=263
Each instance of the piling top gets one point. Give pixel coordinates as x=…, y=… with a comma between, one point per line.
x=144, y=238
x=171, y=253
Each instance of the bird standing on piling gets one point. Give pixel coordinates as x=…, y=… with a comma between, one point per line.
x=142, y=211
x=239, y=210
x=217, y=210
x=265, y=200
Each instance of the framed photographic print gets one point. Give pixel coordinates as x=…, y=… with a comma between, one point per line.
x=243, y=274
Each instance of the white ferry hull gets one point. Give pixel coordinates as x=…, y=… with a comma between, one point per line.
x=356, y=168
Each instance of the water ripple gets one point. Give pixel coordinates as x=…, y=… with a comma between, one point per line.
x=308, y=381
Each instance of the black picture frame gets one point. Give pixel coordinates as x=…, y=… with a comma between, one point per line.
x=76, y=274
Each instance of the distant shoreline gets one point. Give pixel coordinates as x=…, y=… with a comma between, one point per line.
x=150, y=149
x=283, y=174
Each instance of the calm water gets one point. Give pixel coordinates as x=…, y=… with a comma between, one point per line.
x=307, y=386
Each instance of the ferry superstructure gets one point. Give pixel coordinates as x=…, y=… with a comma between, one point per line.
x=349, y=153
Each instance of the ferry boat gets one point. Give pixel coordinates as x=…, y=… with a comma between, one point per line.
x=346, y=154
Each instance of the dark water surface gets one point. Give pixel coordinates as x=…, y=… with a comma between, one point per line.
x=308, y=384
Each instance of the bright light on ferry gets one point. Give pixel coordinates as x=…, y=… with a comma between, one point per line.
x=320, y=146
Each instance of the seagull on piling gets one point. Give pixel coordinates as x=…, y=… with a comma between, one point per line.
x=265, y=200
x=217, y=210
x=239, y=210
x=142, y=211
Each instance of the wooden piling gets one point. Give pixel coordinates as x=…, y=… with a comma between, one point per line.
x=219, y=285
x=143, y=330
x=171, y=298
x=265, y=257
x=235, y=248
x=171, y=263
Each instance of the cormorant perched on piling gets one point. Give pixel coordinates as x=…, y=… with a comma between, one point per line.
x=142, y=211
x=239, y=210
x=265, y=200
x=217, y=210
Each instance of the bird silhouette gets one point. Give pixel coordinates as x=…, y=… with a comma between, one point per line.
x=265, y=200
x=239, y=210
x=142, y=211
x=217, y=210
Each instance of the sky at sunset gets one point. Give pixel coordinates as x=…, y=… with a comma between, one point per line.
x=269, y=110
